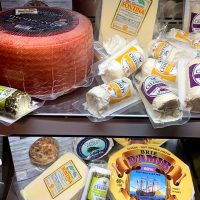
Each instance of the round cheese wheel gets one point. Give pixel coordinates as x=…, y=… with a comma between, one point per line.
x=44, y=51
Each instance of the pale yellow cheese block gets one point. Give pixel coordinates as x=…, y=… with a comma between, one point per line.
x=65, y=179
x=145, y=34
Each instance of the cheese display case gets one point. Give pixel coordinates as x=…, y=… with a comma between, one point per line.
x=113, y=107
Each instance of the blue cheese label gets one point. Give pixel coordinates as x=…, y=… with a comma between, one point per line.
x=93, y=148
x=63, y=178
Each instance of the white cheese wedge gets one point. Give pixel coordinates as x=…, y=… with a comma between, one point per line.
x=65, y=179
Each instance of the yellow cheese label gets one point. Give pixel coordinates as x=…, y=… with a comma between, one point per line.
x=149, y=172
x=5, y=92
x=183, y=36
x=129, y=141
x=130, y=16
x=130, y=60
x=164, y=70
x=61, y=179
x=118, y=90
x=162, y=50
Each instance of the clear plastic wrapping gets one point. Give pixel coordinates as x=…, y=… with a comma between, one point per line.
x=15, y=104
x=46, y=52
x=104, y=101
x=161, y=102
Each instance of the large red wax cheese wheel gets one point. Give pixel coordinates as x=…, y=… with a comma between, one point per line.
x=46, y=52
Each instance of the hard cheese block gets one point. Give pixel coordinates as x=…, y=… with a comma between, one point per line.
x=65, y=179
x=44, y=51
x=130, y=19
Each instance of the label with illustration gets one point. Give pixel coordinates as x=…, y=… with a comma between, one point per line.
x=118, y=90
x=98, y=188
x=61, y=179
x=194, y=75
x=164, y=70
x=162, y=50
x=5, y=92
x=92, y=148
x=130, y=60
x=147, y=172
x=196, y=43
x=152, y=87
x=182, y=35
x=195, y=22
x=130, y=16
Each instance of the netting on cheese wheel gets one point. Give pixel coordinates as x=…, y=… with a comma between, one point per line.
x=46, y=52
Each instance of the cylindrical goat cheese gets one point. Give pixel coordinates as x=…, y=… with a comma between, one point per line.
x=164, y=70
x=193, y=85
x=163, y=50
x=122, y=64
x=158, y=94
x=101, y=98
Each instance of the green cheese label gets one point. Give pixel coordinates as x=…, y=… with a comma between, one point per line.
x=5, y=92
x=98, y=188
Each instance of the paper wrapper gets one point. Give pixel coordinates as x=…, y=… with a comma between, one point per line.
x=141, y=170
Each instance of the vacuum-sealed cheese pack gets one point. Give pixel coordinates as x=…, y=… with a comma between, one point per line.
x=189, y=71
x=103, y=101
x=124, y=63
x=149, y=172
x=161, y=102
x=14, y=104
x=164, y=70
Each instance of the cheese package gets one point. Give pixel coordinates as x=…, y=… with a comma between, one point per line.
x=44, y=51
x=91, y=149
x=122, y=64
x=164, y=50
x=130, y=19
x=65, y=179
x=164, y=70
x=149, y=172
x=129, y=141
x=161, y=102
x=189, y=83
x=110, y=97
x=14, y=104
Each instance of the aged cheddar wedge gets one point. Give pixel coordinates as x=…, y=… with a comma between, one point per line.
x=44, y=51
x=64, y=179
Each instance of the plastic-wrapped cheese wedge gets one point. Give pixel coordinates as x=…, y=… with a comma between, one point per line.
x=192, y=81
x=162, y=105
x=164, y=50
x=108, y=98
x=122, y=64
x=140, y=171
x=65, y=179
x=164, y=70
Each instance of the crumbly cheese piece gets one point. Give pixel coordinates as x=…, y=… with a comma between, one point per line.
x=164, y=70
x=65, y=179
x=109, y=96
x=114, y=44
x=122, y=64
x=193, y=85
